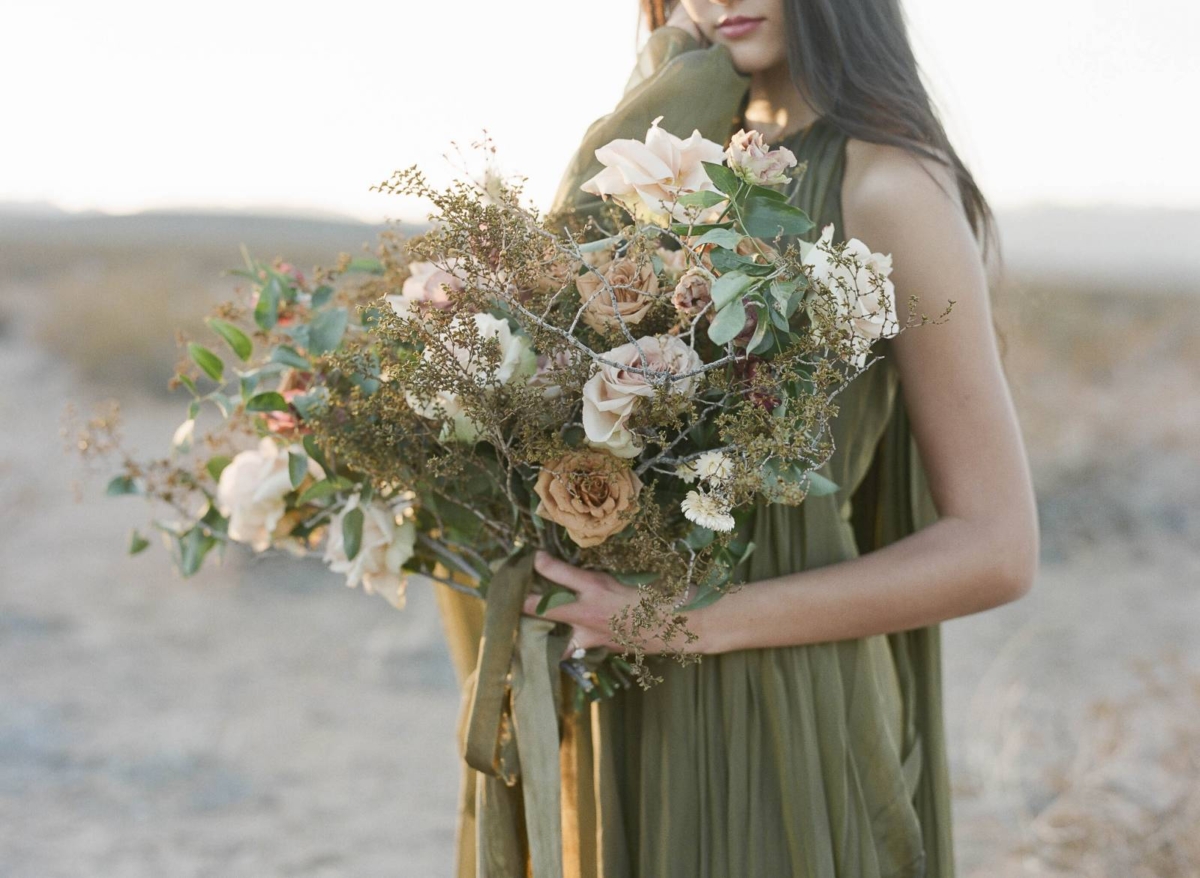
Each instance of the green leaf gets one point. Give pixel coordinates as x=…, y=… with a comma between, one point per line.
x=729, y=287
x=308, y=404
x=269, y=401
x=319, y=491
x=237, y=340
x=187, y=382
x=193, y=409
x=326, y=330
x=704, y=198
x=216, y=465
x=266, y=312
x=726, y=261
x=723, y=178
x=315, y=452
x=365, y=265
x=555, y=596
x=726, y=238
x=699, y=538
x=729, y=321
x=119, y=485
x=761, y=328
x=289, y=356
x=764, y=192
x=137, y=542
x=193, y=546
x=706, y=595
x=635, y=579
x=209, y=362
x=222, y=402
x=321, y=296
x=767, y=218
x=297, y=468
x=352, y=527
x=699, y=229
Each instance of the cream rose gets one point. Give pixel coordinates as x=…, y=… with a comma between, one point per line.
x=633, y=289
x=589, y=493
x=427, y=284
x=609, y=396
x=251, y=489
x=750, y=159
x=384, y=549
x=656, y=171
x=859, y=281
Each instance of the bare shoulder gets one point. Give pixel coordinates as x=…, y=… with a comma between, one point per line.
x=885, y=184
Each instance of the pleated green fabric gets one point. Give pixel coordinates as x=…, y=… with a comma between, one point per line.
x=817, y=761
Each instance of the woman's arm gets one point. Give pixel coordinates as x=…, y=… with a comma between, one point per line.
x=982, y=552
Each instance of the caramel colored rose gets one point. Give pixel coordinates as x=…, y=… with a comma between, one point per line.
x=633, y=289
x=589, y=493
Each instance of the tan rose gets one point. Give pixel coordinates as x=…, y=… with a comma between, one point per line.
x=633, y=289
x=750, y=159
x=692, y=293
x=674, y=262
x=589, y=493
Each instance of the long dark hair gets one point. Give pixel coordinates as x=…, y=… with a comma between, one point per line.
x=853, y=63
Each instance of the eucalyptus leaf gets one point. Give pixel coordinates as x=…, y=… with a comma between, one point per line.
x=703, y=198
x=352, y=529
x=187, y=382
x=216, y=465
x=208, y=362
x=365, y=265
x=729, y=287
x=315, y=452
x=705, y=596
x=318, y=491
x=289, y=356
x=119, y=485
x=723, y=178
x=635, y=579
x=269, y=401
x=297, y=468
x=699, y=228
x=321, y=296
x=767, y=218
x=555, y=596
x=726, y=238
x=326, y=330
x=237, y=340
x=699, y=538
x=820, y=486
x=729, y=321
x=137, y=542
x=266, y=311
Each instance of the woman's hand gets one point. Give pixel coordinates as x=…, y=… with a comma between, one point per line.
x=599, y=597
x=679, y=18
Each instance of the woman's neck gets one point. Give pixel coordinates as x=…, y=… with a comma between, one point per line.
x=776, y=108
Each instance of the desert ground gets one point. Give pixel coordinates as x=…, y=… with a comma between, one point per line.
x=261, y=719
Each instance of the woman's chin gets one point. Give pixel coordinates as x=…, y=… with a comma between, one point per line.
x=750, y=60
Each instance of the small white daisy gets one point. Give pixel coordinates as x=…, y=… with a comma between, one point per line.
x=707, y=511
x=714, y=466
x=687, y=472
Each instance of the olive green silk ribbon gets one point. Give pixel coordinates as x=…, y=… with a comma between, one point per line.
x=512, y=735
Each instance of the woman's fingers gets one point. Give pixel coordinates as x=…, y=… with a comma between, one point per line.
x=564, y=613
x=561, y=572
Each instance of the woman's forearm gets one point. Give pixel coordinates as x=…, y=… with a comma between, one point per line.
x=952, y=568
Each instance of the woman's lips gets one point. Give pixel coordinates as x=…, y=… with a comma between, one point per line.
x=738, y=26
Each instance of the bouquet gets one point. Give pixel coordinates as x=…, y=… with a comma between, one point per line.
x=621, y=392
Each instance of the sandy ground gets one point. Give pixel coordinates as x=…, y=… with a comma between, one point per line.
x=261, y=719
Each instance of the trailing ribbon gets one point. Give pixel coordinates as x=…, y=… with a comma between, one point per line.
x=512, y=735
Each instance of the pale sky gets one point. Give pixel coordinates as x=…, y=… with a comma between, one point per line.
x=126, y=105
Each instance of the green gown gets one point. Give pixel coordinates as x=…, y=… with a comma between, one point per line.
x=819, y=761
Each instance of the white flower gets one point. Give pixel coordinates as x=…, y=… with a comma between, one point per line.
x=860, y=283
x=714, y=466
x=427, y=284
x=185, y=435
x=657, y=171
x=386, y=545
x=517, y=360
x=251, y=489
x=750, y=159
x=610, y=395
x=707, y=511
x=687, y=471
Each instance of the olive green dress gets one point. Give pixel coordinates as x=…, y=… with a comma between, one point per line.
x=818, y=761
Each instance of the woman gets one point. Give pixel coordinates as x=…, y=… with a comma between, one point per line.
x=808, y=741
